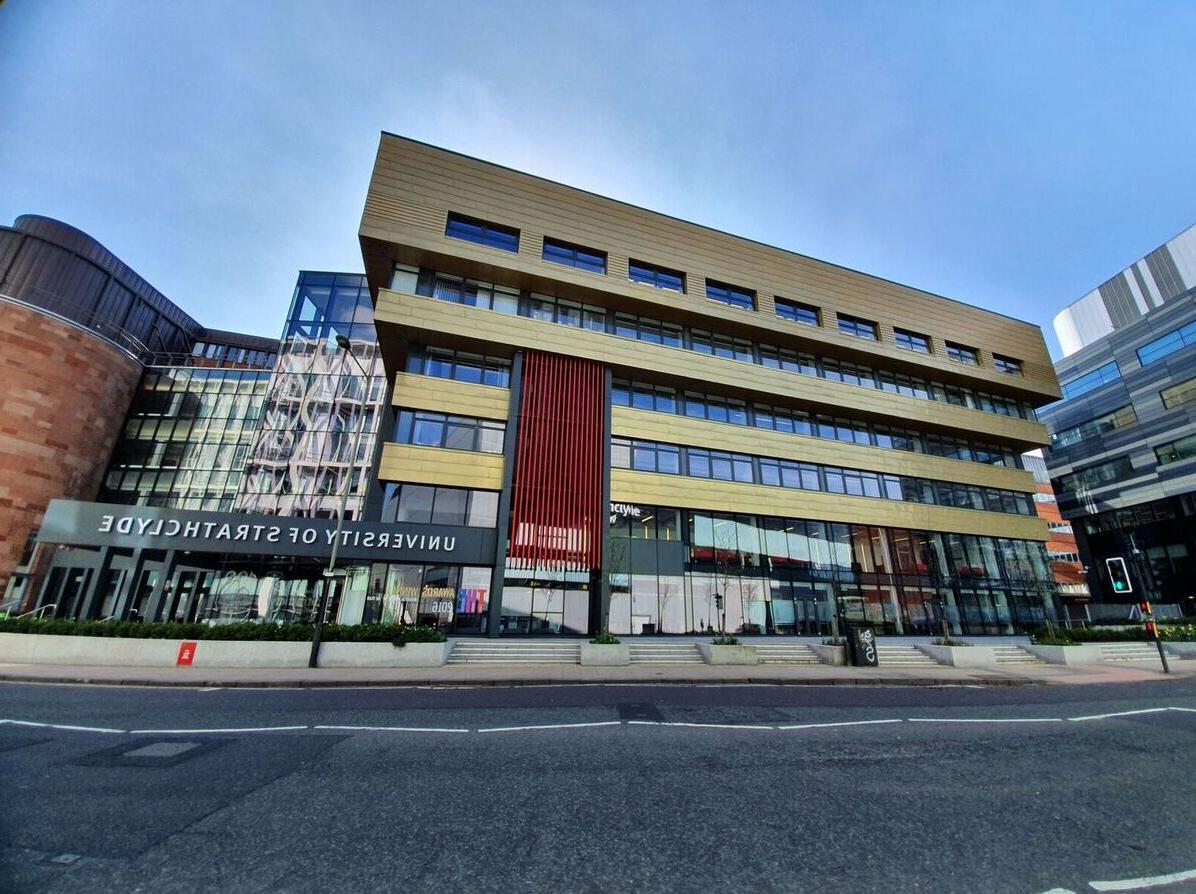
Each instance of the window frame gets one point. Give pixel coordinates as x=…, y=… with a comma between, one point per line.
x=797, y=311
x=961, y=353
x=739, y=297
x=911, y=341
x=858, y=327
x=570, y=255
x=490, y=234
x=655, y=275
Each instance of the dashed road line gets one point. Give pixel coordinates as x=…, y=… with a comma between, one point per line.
x=1139, y=884
x=193, y=732
x=394, y=729
x=1120, y=714
x=985, y=719
x=840, y=723
x=76, y=729
x=512, y=729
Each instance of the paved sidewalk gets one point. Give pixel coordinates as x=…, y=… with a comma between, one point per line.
x=549, y=674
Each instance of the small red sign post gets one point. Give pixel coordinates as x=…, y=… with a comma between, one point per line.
x=186, y=653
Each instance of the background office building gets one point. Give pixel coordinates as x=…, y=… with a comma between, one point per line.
x=671, y=429
x=1123, y=439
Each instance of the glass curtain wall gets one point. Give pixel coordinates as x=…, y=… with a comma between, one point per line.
x=300, y=461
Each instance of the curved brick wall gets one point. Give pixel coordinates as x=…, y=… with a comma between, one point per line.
x=63, y=396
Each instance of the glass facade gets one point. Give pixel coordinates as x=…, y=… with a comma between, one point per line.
x=318, y=399
x=186, y=438
x=675, y=571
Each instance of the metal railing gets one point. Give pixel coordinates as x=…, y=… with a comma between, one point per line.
x=38, y=610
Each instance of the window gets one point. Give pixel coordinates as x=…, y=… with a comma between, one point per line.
x=1168, y=344
x=649, y=330
x=1009, y=365
x=911, y=341
x=1178, y=395
x=459, y=365
x=1119, y=418
x=736, y=296
x=645, y=456
x=1097, y=476
x=424, y=429
x=721, y=346
x=567, y=313
x=857, y=327
x=483, y=233
x=1184, y=448
x=651, y=275
x=806, y=314
x=574, y=256
x=963, y=354
x=424, y=504
x=1110, y=372
x=474, y=294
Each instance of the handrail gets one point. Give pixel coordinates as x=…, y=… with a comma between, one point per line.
x=41, y=608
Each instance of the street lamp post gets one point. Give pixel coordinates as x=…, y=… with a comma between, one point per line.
x=330, y=573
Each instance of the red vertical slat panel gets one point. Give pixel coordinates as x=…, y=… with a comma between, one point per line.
x=556, y=512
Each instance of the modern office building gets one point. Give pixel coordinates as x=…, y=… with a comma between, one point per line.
x=587, y=415
x=1123, y=439
x=1066, y=567
x=685, y=430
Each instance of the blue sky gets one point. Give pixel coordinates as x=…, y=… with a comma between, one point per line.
x=1009, y=155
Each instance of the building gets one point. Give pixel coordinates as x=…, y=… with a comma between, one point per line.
x=1123, y=439
x=1066, y=568
x=580, y=415
x=687, y=430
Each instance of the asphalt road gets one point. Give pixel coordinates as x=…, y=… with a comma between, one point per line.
x=702, y=789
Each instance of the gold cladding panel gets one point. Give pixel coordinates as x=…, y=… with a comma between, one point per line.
x=414, y=186
x=647, y=488
x=450, y=396
x=436, y=465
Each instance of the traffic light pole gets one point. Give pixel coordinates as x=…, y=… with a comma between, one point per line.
x=1153, y=629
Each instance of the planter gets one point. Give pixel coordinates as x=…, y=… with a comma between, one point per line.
x=713, y=654
x=605, y=655
x=1182, y=650
x=1084, y=653
x=960, y=656
x=833, y=655
x=28, y=648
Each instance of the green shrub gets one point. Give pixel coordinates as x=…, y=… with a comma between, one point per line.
x=417, y=634
x=1169, y=631
x=725, y=639
x=948, y=641
x=605, y=638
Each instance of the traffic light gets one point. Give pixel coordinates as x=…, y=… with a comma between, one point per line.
x=1148, y=619
x=1119, y=575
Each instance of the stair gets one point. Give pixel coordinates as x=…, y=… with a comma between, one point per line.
x=515, y=652
x=1015, y=655
x=665, y=653
x=786, y=653
x=902, y=655
x=1128, y=652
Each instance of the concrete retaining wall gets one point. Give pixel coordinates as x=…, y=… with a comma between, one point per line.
x=609, y=655
x=713, y=654
x=26, y=648
x=1084, y=653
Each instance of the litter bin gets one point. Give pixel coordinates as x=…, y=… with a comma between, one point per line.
x=861, y=645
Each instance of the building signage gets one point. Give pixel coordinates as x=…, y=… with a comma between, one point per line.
x=624, y=510
x=271, y=533
x=145, y=527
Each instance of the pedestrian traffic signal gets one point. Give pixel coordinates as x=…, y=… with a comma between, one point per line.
x=1119, y=575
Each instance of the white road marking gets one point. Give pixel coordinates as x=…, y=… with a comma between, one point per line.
x=79, y=729
x=1059, y=891
x=1120, y=714
x=986, y=719
x=1188, y=710
x=394, y=729
x=510, y=729
x=715, y=725
x=191, y=732
x=1137, y=884
x=840, y=723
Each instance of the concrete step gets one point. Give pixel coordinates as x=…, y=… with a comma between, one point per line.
x=665, y=653
x=467, y=652
x=1128, y=651
x=786, y=653
x=894, y=655
x=1015, y=655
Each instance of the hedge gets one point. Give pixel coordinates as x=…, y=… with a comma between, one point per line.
x=399, y=634
x=1176, y=632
